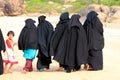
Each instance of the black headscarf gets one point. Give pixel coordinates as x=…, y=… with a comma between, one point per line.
x=94, y=31
x=91, y=15
x=45, y=31
x=73, y=45
x=74, y=22
x=29, y=23
x=59, y=32
x=28, y=36
x=64, y=17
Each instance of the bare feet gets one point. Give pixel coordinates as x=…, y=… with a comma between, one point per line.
x=5, y=72
x=9, y=71
x=24, y=71
x=59, y=69
x=86, y=66
x=90, y=68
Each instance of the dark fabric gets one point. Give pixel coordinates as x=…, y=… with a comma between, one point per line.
x=73, y=45
x=28, y=66
x=2, y=47
x=64, y=17
x=45, y=31
x=62, y=65
x=28, y=36
x=95, y=39
x=43, y=61
x=1, y=65
x=59, y=32
x=94, y=31
x=95, y=59
x=2, y=43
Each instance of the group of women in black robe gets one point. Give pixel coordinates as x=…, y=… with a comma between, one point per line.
x=74, y=44
x=71, y=44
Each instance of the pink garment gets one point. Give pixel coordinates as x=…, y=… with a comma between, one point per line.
x=9, y=55
x=28, y=66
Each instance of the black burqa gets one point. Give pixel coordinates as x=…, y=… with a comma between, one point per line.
x=73, y=46
x=2, y=47
x=95, y=39
x=44, y=31
x=28, y=36
x=58, y=34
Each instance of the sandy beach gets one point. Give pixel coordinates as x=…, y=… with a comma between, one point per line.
x=111, y=54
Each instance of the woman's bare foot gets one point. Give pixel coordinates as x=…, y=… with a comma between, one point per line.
x=46, y=69
x=90, y=68
x=24, y=71
x=59, y=69
x=86, y=66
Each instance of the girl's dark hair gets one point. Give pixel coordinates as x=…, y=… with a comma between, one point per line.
x=10, y=32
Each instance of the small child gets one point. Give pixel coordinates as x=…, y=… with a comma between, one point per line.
x=10, y=58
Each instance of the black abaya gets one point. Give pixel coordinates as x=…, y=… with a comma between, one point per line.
x=2, y=47
x=95, y=39
x=58, y=34
x=45, y=32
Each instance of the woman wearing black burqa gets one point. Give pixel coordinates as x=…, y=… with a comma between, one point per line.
x=58, y=34
x=28, y=43
x=2, y=47
x=95, y=39
x=44, y=31
x=73, y=46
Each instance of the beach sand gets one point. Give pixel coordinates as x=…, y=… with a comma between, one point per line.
x=111, y=55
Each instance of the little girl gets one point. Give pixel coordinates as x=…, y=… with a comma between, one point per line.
x=10, y=58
